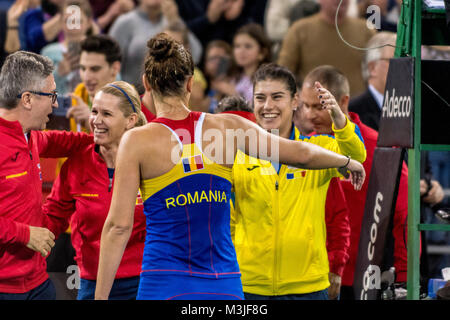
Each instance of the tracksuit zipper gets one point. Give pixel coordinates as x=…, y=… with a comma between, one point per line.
x=275, y=220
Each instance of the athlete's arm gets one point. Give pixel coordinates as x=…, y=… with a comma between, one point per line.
x=119, y=223
x=258, y=143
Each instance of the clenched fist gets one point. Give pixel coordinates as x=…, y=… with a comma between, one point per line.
x=41, y=240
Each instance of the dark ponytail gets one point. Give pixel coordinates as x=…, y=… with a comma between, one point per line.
x=167, y=65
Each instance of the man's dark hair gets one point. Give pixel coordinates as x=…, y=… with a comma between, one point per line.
x=103, y=44
x=273, y=71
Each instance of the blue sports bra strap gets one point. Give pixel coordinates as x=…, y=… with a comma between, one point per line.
x=173, y=133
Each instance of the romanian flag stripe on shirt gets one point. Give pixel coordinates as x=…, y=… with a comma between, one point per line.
x=192, y=163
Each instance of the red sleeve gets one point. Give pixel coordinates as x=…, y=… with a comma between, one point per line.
x=59, y=205
x=338, y=227
x=400, y=227
x=13, y=232
x=60, y=144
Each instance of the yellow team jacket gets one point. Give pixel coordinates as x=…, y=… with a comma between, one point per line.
x=80, y=91
x=278, y=223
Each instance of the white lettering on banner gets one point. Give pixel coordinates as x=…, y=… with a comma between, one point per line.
x=371, y=279
x=374, y=227
x=396, y=107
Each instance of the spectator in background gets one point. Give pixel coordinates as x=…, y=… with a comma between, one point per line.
x=107, y=11
x=218, y=62
x=251, y=49
x=3, y=31
x=65, y=55
x=375, y=68
x=100, y=62
x=82, y=192
x=6, y=4
x=313, y=41
x=133, y=29
x=15, y=12
x=281, y=14
x=277, y=20
x=219, y=19
x=338, y=84
x=41, y=26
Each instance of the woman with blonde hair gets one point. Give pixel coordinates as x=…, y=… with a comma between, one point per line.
x=82, y=192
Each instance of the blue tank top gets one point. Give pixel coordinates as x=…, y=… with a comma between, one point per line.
x=188, y=211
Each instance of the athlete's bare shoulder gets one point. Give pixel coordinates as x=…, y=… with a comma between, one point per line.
x=224, y=121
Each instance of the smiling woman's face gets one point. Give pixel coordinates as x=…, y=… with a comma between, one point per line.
x=107, y=121
x=274, y=105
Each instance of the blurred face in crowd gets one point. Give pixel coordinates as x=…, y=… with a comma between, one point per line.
x=246, y=51
x=107, y=121
x=95, y=71
x=274, y=106
x=312, y=112
x=151, y=7
x=212, y=59
x=329, y=8
x=378, y=69
x=177, y=36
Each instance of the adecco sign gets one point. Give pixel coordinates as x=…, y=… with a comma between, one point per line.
x=397, y=114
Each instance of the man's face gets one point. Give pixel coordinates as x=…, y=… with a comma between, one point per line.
x=96, y=72
x=301, y=122
x=379, y=69
x=312, y=111
x=42, y=106
x=274, y=105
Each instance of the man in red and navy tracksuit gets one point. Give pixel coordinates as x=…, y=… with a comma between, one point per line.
x=27, y=97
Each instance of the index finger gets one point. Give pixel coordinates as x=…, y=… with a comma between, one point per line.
x=69, y=112
x=76, y=97
x=318, y=85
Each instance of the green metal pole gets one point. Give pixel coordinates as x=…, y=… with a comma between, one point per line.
x=413, y=284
